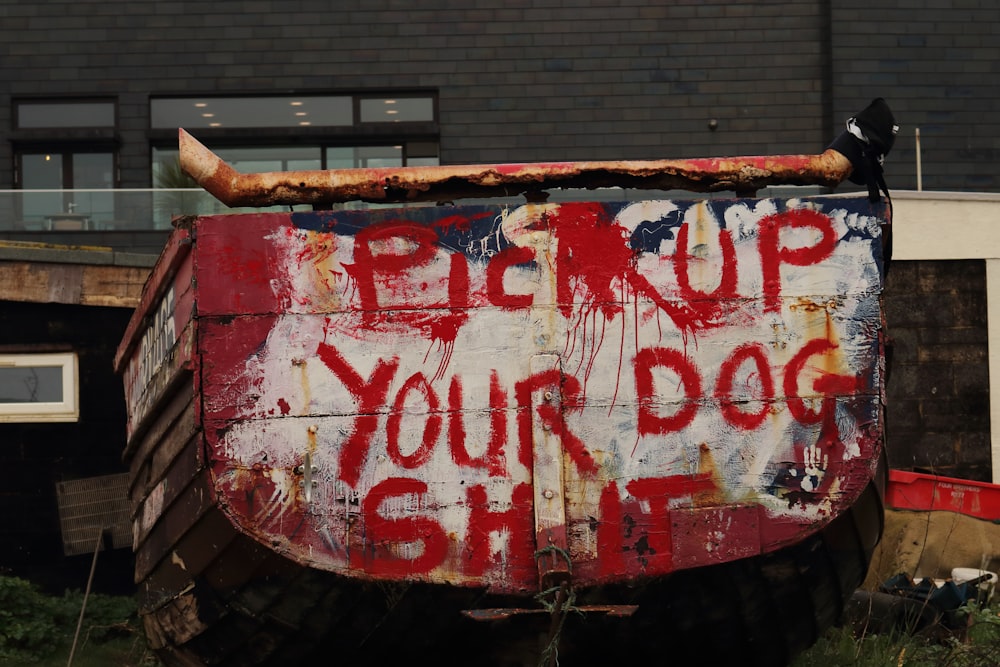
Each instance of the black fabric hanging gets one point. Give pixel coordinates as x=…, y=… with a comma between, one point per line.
x=867, y=140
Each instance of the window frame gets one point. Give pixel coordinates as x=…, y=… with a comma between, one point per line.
x=66, y=410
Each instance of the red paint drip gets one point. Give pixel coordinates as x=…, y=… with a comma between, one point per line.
x=460, y=223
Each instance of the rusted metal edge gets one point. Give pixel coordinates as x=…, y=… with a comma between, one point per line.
x=447, y=183
x=502, y=613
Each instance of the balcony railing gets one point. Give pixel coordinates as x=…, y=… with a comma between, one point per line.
x=106, y=210
x=151, y=209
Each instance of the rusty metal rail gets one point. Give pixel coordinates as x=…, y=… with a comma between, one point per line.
x=744, y=175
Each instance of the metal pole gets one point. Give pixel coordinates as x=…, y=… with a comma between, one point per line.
x=920, y=178
x=83, y=608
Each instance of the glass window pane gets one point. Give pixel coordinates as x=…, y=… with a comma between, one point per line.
x=93, y=170
x=285, y=111
x=65, y=114
x=397, y=110
x=422, y=162
x=340, y=157
x=349, y=157
x=34, y=384
x=167, y=172
x=380, y=156
x=38, y=387
x=42, y=171
x=277, y=158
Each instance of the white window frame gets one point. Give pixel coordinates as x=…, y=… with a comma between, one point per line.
x=66, y=410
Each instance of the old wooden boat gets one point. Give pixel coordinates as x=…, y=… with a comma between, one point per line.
x=482, y=434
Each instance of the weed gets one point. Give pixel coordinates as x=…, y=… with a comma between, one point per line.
x=971, y=640
x=37, y=629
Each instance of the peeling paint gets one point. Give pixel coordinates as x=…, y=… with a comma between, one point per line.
x=714, y=390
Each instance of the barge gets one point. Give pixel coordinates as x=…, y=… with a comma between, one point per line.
x=539, y=433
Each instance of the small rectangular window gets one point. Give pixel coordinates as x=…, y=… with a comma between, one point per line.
x=347, y=157
x=228, y=112
x=61, y=115
x=397, y=109
x=38, y=387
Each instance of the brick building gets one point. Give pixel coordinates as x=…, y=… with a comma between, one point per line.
x=93, y=93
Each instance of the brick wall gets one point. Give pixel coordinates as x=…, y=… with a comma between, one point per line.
x=523, y=80
x=935, y=62
x=938, y=388
x=549, y=79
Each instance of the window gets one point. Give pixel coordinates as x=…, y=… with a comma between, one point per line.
x=65, y=162
x=287, y=133
x=396, y=109
x=38, y=388
x=290, y=111
x=296, y=132
x=244, y=112
x=63, y=189
x=33, y=114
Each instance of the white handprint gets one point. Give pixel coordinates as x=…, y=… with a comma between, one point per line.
x=816, y=463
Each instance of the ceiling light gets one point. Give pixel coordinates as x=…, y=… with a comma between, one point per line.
x=296, y=104
x=391, y=111
x=201, y=105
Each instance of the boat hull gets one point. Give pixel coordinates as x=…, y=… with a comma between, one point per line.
x=488, y=433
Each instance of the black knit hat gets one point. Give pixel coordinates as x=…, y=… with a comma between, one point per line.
x=866, y=141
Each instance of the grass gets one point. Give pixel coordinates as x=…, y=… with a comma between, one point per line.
x=971, y=638
x=39, y=629
x=126, y=651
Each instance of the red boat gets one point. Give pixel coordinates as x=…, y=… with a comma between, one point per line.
x=496, y=434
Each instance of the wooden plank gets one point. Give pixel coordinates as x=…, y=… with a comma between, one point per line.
x=175, y=479
x=176, y=519
x=113, y=286
x=208, y=538
x=161, y=278
x=169, y=419
x=71, y=282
